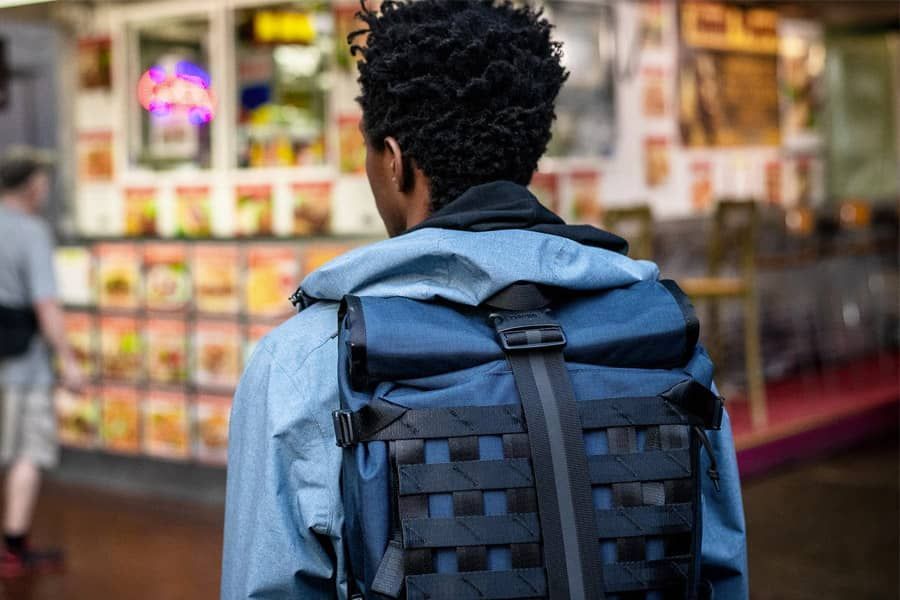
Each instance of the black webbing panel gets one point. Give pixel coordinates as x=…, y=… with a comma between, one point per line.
x=468, y=503
x=521, y=500
x=571, y=550
x=530, y=583
x=637, y=521
x=646, y=575
x=495, y=530
x=639, y=466
x=681, y=492
x=623, y=440
x=518, y=583
x=413, y=507
x=458, y=477
x=380, y=420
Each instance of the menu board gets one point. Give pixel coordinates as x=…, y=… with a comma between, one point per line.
x=211, y=417
x=728, y=87
x=80, y=328
x=120, y=348
x=585, y=186
x=165, y=416
x=254, y=209
x=78, y=418
x=216, y=278
x=217, y=354
x=193, y=206
x=121, y=420
x=118, y=274
x=311, y=207
x=272, y=276
x=314, y=256
x=165, y=342
x=140, y=211
x=74, y=272
x=168, y=284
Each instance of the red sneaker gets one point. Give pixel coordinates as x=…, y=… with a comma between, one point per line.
x=30, y=562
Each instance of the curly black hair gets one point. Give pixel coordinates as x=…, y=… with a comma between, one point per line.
x=467, y=87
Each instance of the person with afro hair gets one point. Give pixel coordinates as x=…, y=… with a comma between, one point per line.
x=457, y=100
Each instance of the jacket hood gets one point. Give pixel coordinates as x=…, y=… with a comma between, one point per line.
x=489, y=238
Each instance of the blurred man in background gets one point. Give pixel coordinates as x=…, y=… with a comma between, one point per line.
x=32, y=325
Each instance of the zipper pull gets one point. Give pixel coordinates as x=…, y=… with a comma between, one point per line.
x=713, y=470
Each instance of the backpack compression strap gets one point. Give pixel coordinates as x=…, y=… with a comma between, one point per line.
x=533, y=344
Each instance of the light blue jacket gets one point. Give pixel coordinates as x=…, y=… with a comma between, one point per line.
x=283, y=515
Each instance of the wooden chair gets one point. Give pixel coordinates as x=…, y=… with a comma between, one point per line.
x=735, y=231
x=634, y=223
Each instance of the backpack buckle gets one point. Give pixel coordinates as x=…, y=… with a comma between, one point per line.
x=530, y=330
x=344, y=428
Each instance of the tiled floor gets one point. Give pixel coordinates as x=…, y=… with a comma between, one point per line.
x=821, y=531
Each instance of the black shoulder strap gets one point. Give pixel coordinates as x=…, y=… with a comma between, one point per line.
x=533, y=343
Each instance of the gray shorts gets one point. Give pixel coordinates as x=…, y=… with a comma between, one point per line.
x=28, y=428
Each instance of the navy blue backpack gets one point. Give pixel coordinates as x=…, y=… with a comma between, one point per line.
x=544, y=445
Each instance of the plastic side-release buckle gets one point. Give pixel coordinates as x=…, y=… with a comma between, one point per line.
x=531, y=330
x=344, y=428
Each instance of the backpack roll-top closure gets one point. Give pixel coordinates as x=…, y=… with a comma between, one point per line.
x=494, y=453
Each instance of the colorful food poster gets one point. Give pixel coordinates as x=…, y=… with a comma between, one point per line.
x=211, y=416
x=78, y=417
x=585, y=187
x=656, y=160
x=217, y=354
x=254, y=209
x=216, y=278
x=165, y=342
x=773, y=182
x=255, y=333
x=193, y=205
x=701, y=185
x=165, y=419
x=272, y=276
x=655, y=100
x=95, y=156
x=352, y=146
x=118, y=274
x=81, y=332
x=654, y=23
x=546, y=187
x=120, y=348
x=312, y=207
x=74, y=266
x=94, y=70
x=167, y=281
x=314, y=256
x=121, y=430
x=140, y=211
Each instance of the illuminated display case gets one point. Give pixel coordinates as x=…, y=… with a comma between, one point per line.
x=284, y=52
x=175, y=99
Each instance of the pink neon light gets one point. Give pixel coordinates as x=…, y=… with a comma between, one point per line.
x=187, y=90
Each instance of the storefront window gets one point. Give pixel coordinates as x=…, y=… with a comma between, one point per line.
x=283, y=53
x=175, y=97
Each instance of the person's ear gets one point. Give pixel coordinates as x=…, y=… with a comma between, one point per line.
x=398, y=172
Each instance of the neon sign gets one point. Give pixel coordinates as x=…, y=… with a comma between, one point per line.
x=185, y=90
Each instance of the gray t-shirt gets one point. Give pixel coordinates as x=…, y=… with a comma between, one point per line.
x=26, y=276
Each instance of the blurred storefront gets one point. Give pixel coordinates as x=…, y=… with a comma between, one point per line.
x=214, y=146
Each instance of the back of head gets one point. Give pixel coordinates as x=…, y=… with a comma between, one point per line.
x=19, y=165
x=467, y=87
